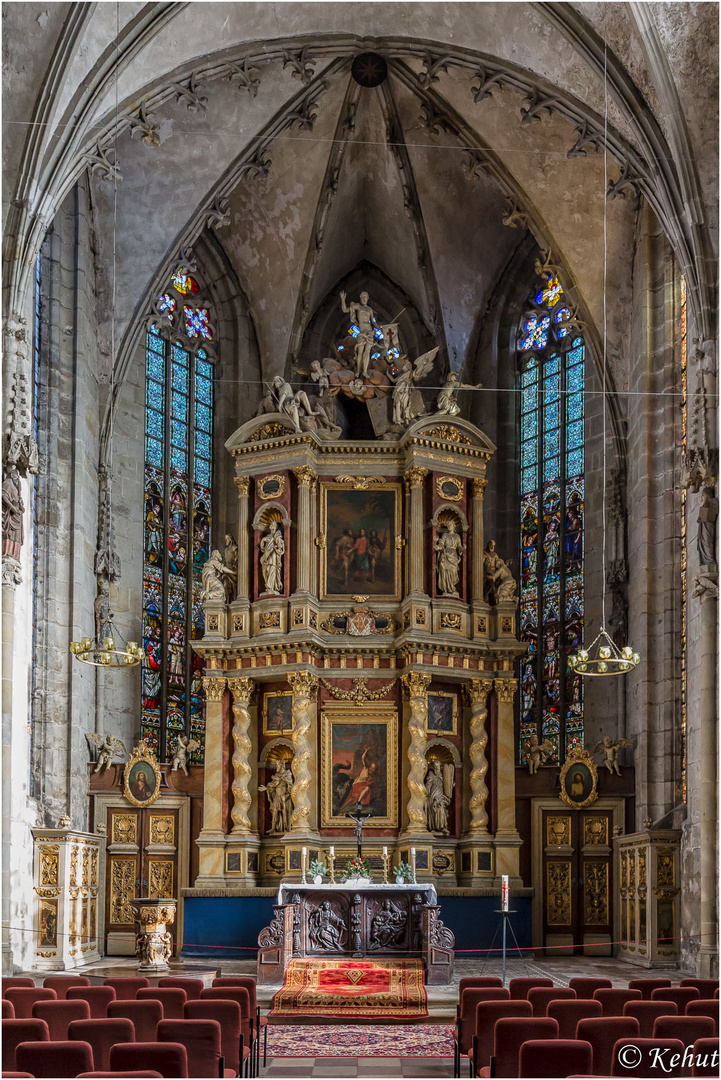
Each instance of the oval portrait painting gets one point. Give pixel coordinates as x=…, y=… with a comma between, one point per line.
x=141, y=777
x=141, y=782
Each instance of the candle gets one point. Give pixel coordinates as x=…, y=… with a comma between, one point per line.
x=385, y=852
x=413, y=863
x=332, y=850
x=413, y=852
x=305, y=852
x=504, y=892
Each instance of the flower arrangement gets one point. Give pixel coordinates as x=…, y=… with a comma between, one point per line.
x=404, y=870
x=316, y=868
x=357, y=868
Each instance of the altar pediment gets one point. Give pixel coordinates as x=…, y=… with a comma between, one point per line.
x=447, y=429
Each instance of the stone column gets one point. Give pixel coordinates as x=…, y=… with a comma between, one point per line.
x=313, y=534
x=478, y=691
x=304, y=475
x=708, y=789
x=479, y=486
x=241, y=690
x=416, y=685
x=243, y=485
x=304, y=685
x=414, y=479
x=507, y=840
x=211, y=841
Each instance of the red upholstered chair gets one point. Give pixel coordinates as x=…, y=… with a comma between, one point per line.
x=685, y=1028
x=8, y=1010
x=567, y=1012
x=705, y=987
x=19, y=1076
x=510, y=1034
x=643, y=1060
x=704, y=1007
x=705, y=1058
x=603, y=1032
x=102, y=1034
x=613, y=1001
x=19, y=1031
x=97, y=997
x=466, y=1025
x=132, y=1072
x=62, y=983
x=54, y=1059
x=647, y=986
x=585, y=988
x=242, y=997
x=540, y=996
x=519, y=987
x=202, y=1041
x=22, y=999
x=145, y=1015
x=680, y=994
x=227, y=1013
x=260, y=1023
x=169, y=1059
x=716, y=992
x=648, y=1012
x=192, y=987
x=16, y=980
x=58, y=1014
x=487, y=1013
x=466, y=981
x=554, y=1057
x=126, y=987
x=171, y=998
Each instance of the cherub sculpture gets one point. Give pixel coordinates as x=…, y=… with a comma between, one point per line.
x=538, y=753
x=182, y=746
x=609, y=747
x=404, y=384
x=107, y=747
x=447, y=404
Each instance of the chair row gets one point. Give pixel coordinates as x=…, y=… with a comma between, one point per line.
x=586, y=987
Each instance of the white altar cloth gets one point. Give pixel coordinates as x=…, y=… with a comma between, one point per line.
x=428, y=888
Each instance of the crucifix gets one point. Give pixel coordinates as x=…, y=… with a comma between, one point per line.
x=359, y=817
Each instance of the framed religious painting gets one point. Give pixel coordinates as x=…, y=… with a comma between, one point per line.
x=442, y=713
x=278, y=712
x=142, y=776
x=360, y=764
x=579, y=779
x=360, y=525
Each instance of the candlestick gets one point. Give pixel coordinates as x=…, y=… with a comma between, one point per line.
x=385, y=865
x=504, y=892
x=413, y=864
x=304, y=854
x=332, y=865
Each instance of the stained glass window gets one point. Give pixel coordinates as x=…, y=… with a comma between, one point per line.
x=178, y=481
x=552, y=360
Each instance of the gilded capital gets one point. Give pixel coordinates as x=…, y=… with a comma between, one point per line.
x=214, y=688
x=243, y=484
x=415, y=475
x=478, y=690
x=416, y=683
x=242, y=690
x=304, y=475
x=479, y=485
x=304, y=684
x=505, y=689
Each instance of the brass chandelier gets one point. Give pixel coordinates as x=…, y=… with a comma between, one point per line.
x=106, y=653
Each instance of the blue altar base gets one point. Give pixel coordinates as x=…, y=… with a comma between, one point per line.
x=227, y=927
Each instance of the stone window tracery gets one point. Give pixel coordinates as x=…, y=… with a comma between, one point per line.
x=552, y=360
x=179, y=395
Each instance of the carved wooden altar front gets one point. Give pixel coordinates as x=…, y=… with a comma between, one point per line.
x=356, y=922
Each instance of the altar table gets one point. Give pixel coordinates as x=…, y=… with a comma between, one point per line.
x=351, y=920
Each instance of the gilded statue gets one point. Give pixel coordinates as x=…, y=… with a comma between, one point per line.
x=449, y=548
x=272, y=549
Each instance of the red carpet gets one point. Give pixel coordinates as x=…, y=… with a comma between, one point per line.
x=352, y=990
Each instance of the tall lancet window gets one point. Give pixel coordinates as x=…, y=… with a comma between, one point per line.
x=178, y=481
x=551, y=356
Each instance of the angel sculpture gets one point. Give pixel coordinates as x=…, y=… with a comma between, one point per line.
x=404, y=384
x=538, y=753
x=182, y=746
x=306, y=414
x=447, y=404
x=107, y=747
x=609, y=747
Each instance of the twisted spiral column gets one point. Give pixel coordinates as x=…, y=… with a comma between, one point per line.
x=478, y=691
x=416, y=686
x=242, y=691
x=304, y=685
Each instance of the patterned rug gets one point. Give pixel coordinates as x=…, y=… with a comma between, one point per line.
x=360, y=1040
x=352, y=990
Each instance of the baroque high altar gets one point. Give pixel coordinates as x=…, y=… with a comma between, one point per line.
x=360, y=643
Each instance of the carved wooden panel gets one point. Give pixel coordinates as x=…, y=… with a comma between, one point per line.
x=558, y=830
x=124, y=829
x=162, y=829
x=122, y=889
x=49, y=861
x=595, y=893
x=595, y=831
x=558, y=893
x=160, y=878
x=388, y=924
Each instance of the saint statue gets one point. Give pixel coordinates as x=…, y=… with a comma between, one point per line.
x=362, y=315
x=103, y=614
x=447, y=404
x=13, y=509
x=272, y=549
x=439, y=786
x=326, y=929
x=231, y=562
x=214, y=575
x=449, y=547
x=498, y=582
x=278, y=789
x=706, y=535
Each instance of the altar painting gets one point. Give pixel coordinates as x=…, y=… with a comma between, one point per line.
x=359, y=764
x=360, y=554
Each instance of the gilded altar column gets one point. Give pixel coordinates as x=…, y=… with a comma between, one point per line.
x=507, y=840
x=305, y=476
x=414, y=479
x=240, y=608
x=304, y=685
x=241, y=691
x=211, y=840
x=416, y=685
x=313, y=534
x=478, y=691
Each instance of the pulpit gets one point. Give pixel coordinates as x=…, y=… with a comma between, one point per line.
x=365, y=921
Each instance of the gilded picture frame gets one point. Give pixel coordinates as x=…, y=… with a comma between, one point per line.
x=359, y=751
x=142, y=776
x=360, y=554
x=443, y=713
x=278, y=712
x=579, y=780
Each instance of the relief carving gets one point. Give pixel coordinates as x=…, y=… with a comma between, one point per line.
x=595, y=894
x=558, y=831
x=48, y=866
x=388, y=927
x=125, y=829
x=122, y=890
x=595, y=831
x=326, y=929
x=558, y=890
x=162, y=829
x=160, y=878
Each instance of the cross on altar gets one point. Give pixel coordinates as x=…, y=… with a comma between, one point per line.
x=359, y=817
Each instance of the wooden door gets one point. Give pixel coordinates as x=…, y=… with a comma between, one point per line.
x=142, y=860
x=577, y=881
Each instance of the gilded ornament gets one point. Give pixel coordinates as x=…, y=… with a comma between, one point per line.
x=160, y=879
x=595, y=831
x=238, y=623
x=415, y=476
x=124, y=829
x=478, y=486
x=122, y=890
x=214, y=688
x=505, y=689
x=595, y=893
x=49, y=860
x=305, y=475
x=142, y=776
x=558, y=893
x=320, y=541
x=162, y=829
x=579, y=779
x=450, y=621
x=360, y=692
x=269, y=431
x=449, y=488
x=360, y=483
x=558, y=831
x=448, y=433
x=303, y=683
x=416, y=683
x=242, y=691
x=269, y=620
x=242, y=483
